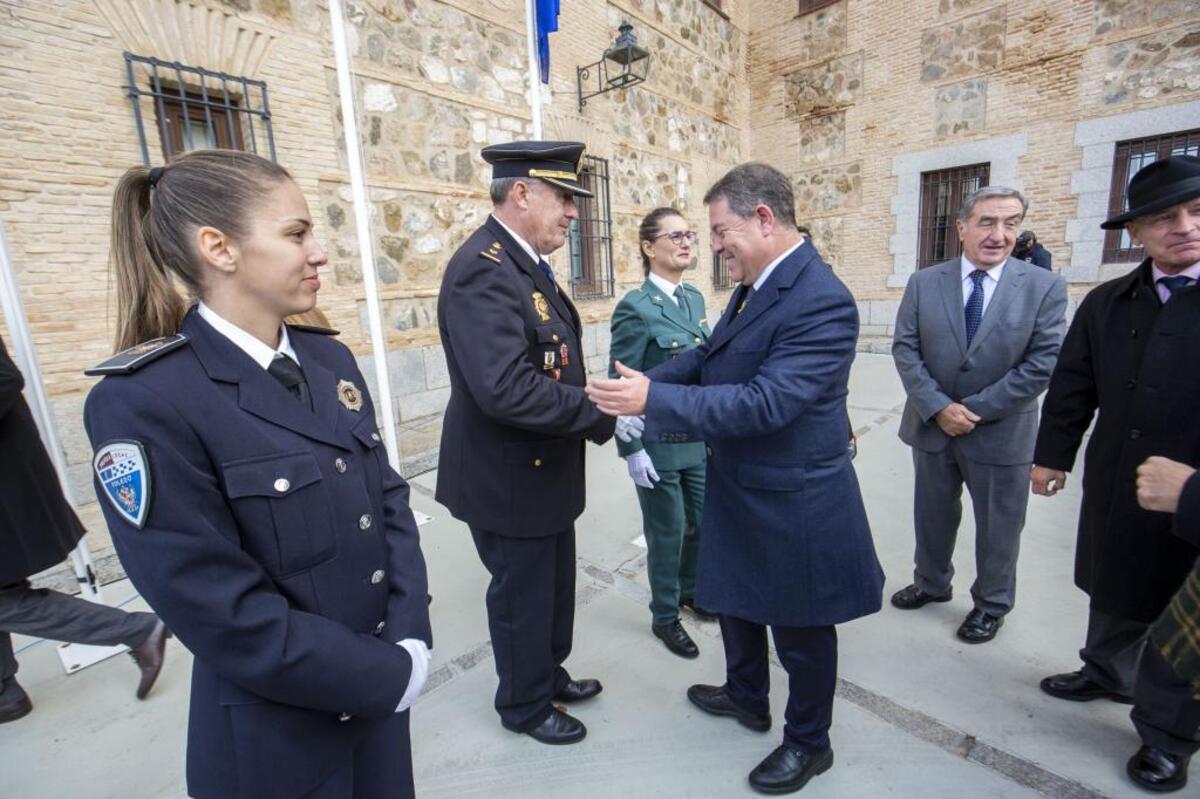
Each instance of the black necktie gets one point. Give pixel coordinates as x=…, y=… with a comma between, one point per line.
x=1174, y=283
x=746, y=295
x=548, y=272
x=287, y=372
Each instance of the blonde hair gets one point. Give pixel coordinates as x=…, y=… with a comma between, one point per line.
x=154, y=216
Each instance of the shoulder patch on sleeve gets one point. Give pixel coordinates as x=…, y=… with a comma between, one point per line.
x=123, y=473
x=487, y=254
x=137, y=356
x=324, y=331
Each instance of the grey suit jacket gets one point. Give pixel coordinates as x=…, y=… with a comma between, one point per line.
x=998, y=377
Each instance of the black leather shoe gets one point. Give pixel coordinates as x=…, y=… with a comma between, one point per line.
x=14, y=702
x=713, y=699
x=1075, y=687
x=676, y=639
x=700, y=613
x=1157, y=770
x=787, y=770
x=558, y=729
x=979, y=627
x=148, y=655
x=579, y=690
x=911, y=598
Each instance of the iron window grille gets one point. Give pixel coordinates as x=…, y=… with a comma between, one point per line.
x=197, y=108
x=1128, y=158
x=942, y=192
x=720, y=272
x=590, y=237
x=809, y=6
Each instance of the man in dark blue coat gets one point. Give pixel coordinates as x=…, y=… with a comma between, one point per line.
x=511, y=459
x=784, y=537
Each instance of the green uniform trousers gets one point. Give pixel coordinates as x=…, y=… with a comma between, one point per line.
x=671, y=523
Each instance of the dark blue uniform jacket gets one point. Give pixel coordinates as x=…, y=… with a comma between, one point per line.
x=279, y=547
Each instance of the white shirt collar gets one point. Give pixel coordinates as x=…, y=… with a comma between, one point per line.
x=258, y=351
x=526, y=246
x=665, y=286
x=994, y=273
x=766, y=273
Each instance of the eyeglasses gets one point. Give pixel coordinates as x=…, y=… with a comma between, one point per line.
x=679, y=237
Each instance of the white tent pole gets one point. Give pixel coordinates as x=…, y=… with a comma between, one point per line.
x=362, y=219
x=35, y=393
x=535, y=77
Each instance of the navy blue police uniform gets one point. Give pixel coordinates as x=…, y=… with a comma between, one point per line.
x=277, y=543
x=511, y=463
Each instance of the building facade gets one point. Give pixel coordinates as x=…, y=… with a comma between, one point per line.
x=883, y=113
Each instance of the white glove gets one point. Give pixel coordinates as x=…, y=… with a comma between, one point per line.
x=421, y=656
x=630, y=427
x=641, y=469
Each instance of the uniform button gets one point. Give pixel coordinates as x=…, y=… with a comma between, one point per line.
x=1131, y=384
x=537, y=461
x=377, y=577
x=379, y=627
x=340, y=465
x=364, y=522
x=554, y=337
x=344, y=717
x=282, y=485
x=375, y=437
x=1133, y=333
x=674, y=343
x=1135, y=433
x=697, y=339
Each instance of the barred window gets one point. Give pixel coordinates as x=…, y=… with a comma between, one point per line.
x=809, y=6
x=590, y=237
x=720, y=272
x=942, y=192
x=1129, y=157
x=195, y=108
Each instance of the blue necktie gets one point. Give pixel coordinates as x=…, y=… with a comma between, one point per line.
x=1174, y=284
x=974, y=309
x=547, y=271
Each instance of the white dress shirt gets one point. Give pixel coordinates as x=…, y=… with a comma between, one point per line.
x=989, y=283
x=526, y=246
x=766, y=273
x=665, y=286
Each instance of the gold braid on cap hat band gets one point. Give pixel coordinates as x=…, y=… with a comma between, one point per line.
x=553, y=173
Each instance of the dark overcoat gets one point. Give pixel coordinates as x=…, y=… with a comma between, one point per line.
x=280, y=548
x=38, y=528
x=1133, y=359
x=784, y=538
x=512, y=453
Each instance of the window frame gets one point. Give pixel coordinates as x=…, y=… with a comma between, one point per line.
x=1118, y=248
x=937, y=233
x=589, y=239
x=721, y=279
x=806, y=7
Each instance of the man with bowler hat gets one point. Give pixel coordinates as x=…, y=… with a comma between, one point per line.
x=512, y=454
x=1130, y=355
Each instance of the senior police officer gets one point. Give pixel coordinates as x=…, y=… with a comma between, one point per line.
x=512, y=453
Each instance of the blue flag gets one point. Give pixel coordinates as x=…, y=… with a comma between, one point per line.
x=547, y=23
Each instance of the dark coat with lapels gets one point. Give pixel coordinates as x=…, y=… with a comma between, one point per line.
x=1130, y=361
x=279, y=546
x=37, y=527
x=649, y=329
x=784, y=538
x=512, y=454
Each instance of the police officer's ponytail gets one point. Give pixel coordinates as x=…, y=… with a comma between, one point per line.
x=155, y=215
x=650, y=229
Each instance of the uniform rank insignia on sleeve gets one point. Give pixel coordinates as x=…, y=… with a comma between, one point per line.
x=137, y=356
x=493, y=253
x=541, y=306
x=121, y=469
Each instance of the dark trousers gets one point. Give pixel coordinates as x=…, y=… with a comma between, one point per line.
x=48, y=614
x=381, y=767
x=671, y=523
x=999, y=496
x=808, y=654
x=1116, y=655
x=531, y=616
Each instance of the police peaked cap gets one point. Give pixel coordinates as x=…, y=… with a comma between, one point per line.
x=556, y=162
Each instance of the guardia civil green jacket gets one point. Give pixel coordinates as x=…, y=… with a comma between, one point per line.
x=648, y=328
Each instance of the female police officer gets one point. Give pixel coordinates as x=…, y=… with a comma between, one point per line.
x=650, y=325
x=243, y=481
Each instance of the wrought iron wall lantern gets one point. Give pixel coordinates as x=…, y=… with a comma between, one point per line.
x=623, y=65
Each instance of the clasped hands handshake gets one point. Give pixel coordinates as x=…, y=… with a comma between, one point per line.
x=625, y=398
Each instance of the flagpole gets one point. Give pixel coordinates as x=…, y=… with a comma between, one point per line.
x=535, y=77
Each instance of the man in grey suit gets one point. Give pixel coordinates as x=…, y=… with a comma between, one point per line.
x=976, y=341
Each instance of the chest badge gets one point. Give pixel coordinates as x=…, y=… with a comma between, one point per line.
x=349, y=395
x=541, y=306
x=121, y=469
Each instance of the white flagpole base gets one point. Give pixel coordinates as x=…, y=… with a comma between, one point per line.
x=76, y=657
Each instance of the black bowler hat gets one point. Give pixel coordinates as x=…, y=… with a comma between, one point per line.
x=1160, y=185
x=556, y=162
